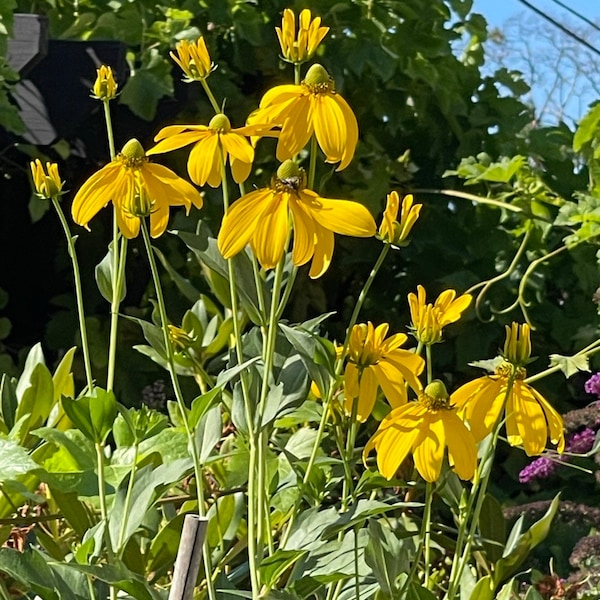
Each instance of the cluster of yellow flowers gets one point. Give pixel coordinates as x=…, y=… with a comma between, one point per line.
x=266, y=218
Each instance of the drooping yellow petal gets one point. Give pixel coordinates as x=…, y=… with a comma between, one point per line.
x=323, y=251
x=174, y=137
x=392, y=383
x=204, y=163
x=304, y=234
x=271, y=233
x=296, y=129
x=528, y=416
x=367, y=394
x=340, y=216
x=164, y=184
x=97, y=192
x=462, y=449
x=335, y=127
x=429, y=448
x=240, y=222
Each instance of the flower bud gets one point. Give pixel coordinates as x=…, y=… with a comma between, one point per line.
x=47, y=183
x=105, y=86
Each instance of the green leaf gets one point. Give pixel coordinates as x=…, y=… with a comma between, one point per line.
x=225, y=516
x=492, y=527
x=386, y=556
x=104, y=276
x=587, y=130
x=8, y=398
x=201, y=405
x=183, y=284
x=273, y=567
x=205, y=249
x=483, y=590
x=36, y=401
x=93, y=415
x=519, y=549
x=147, y=85
x=208, y=433
x=14, y=460
x=570, y=365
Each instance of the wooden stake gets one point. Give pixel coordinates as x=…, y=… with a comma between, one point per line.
x=188, y=558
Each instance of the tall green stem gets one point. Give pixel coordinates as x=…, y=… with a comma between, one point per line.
x=78, y=295
x=332, y=388
x=127, y=505
x=473, y=510
x=211, y=98
x=180, y=401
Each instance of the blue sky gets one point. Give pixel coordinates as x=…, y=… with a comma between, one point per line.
x=497, y=11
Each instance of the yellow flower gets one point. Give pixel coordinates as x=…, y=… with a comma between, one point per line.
x=47, y=183
x=530, y=419
x=428, y=320
x=311, y=107
x=425, y=428
x=391, y=231
x=374, y=362
x=193, y=59
x=212, y=146
x=105, y=86
x=263, y=219
x=137, y=189
x=310, y=34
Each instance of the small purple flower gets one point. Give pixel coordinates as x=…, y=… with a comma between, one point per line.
x=581, y=442
x=540, y=468
x=592, y=385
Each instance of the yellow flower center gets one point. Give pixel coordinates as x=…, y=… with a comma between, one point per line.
x=507, y=370
x=132, y=154
x=220, y=123
x=318, y=80
x=435, y=396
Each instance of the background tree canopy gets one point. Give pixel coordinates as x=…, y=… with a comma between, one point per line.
x=433, y=125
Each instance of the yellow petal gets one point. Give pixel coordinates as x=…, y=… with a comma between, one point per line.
x=271, y=233
x=162, y=183
x=240, y=222
x=205, y=161
x=367, y=394
x=340, y=216
x=430, y=447
x=304, y=234
x=462, y=449
x=97, y=192
x=296, y=129
x=177, y=139
x=323, y=252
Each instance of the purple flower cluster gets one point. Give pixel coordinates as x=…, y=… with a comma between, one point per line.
x=592, y=385
x=579, y=443
x=540, y=468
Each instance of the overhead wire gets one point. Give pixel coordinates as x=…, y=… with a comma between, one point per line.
x=577, y=14
x=560, y=26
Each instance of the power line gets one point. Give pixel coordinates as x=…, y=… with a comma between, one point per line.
x=578, y=15
x=561, y=27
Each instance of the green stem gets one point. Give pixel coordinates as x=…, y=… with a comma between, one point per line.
x=78, y=295
x=312, y=165
x=180, y=401
x=127, y=505
x=427, y=529
x=119, y=255
x=211, y=98
x=109, y=129
x=102, y=496
x=587, y=351
x=474, y=506
x=429, y=363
